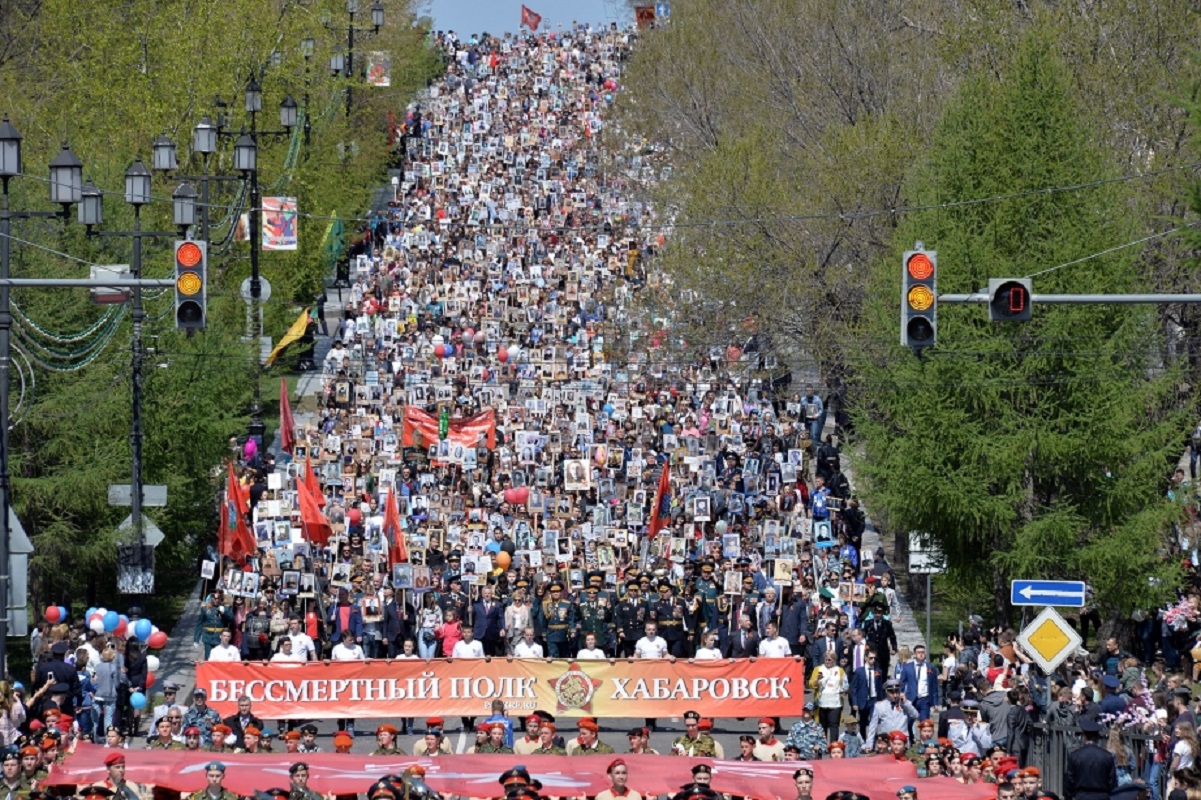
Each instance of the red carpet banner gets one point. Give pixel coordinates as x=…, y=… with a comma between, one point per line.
x=467, y=687
x=476, y=776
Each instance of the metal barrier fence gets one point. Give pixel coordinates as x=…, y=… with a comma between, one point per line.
x=1051, y=744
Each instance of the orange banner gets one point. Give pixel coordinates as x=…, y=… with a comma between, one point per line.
x=467, y=687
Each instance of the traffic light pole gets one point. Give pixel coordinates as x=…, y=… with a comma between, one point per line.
x=1080, y=299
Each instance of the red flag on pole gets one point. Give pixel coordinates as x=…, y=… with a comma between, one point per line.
x=234, y=539
x=397, y=554
x=530, y=19
x=309, y=483
x=313, y=522
x=661, y=513
x=287, y=423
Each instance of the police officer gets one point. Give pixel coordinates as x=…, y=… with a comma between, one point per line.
x=630, y=618
x=559, y=621
x=1091, y=772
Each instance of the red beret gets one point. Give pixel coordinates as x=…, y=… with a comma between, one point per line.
x=767, y=721
x=705, y=725
x=898, y=736
x=588, y=724
x=387, y=729
x=223, y=729
x=617, y=762
x=435, y=722
x=252, y=730
x=114, y=758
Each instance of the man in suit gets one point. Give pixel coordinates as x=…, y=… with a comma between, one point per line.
x=867, y=689
x=880, y=635
x=398, y=622
x=745, y=642
x=489, y=625
x=919, y=681
x=1091, y=772
x=827, y=641
x=238, y=723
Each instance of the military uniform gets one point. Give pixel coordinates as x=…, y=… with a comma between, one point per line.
x=213, y=619
x=304, y=794
x=668, y=613
x=204, y=794
x=550, y=751
x=630, y=618
x=594, y=616
x=702, y=746
x=491, y=748
x=159, y=744
x=208, y=748
x=387, y=751
x=598, y=749
x=559, y=621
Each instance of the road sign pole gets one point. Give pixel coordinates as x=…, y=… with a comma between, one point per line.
x=929, y=646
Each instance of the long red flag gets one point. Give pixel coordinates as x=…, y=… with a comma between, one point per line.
x=316, y=526
x=234, y=539
x=397, y=553
x=287, y=423
x=308, y=481
x=661, y=512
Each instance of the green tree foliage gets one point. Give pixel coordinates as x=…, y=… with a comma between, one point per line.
x=108, y=79
x=1032, y=450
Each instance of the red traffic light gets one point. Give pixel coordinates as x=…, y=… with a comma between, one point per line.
x=920, y=266
x=188, y=254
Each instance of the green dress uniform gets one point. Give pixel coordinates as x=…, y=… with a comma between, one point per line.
x=596, y=617
x=559, y=621
x=304, y=794
x=550, y=751
x=700, y=747
x=598, y=749
x=210, y=623
x=386, y=751
x=204, y=794
x=495, y=749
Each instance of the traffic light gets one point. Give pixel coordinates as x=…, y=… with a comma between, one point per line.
x=1009, y=299
x=191, y=289
x=919, y=298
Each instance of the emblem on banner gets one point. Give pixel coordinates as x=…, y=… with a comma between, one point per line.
x=575, y=689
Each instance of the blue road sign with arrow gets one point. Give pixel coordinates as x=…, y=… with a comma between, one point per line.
x=1047, y=593
x=662, y=10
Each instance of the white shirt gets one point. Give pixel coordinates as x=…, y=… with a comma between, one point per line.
x=922, y=675
x=594, y=653
x=651, y=648
x=302, y=646
x=281, y=656
x=225, y=652
x=775, y=648
x=343, y=653
x=708, y=654
x=527, y=650
x=468, y=650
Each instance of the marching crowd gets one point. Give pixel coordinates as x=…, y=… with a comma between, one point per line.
x=607, y=503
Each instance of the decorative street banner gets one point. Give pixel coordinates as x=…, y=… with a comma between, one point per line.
x=420, y=429
x=476, y=775
x=466, y=687
x=379, y=69
x=279, y=223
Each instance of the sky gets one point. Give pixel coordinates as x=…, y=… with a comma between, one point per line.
x=501, y=16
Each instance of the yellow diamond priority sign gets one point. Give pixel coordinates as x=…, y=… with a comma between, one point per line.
x=1049, y=639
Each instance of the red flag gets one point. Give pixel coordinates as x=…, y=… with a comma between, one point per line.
x=661, y=512
x=312, y=521
x=234, y=538
x=397, y=554
x=287, y=424
x=309, y=482
x=530, y=19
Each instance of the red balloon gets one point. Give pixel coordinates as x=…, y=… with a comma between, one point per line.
x=150, y=675
x=510, y=496
x=52, y=615
x=502, y=355
x=440, y=350
x=157, y=641
x=121, y=630
x=523, y=494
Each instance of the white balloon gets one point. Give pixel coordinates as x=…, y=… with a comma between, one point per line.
x=153, y=630
x=102, y=611
x=152, y=663
x=96, y=625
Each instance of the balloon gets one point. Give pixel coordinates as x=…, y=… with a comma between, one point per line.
x=468, y=337
x=722, y=526
x=137, y=700
x=141, y=629
x=52, y=615
x=152, y=664
x=523, y=494
x=88, y=614
x=440, y=350
x=608, y=409
x=111, y=620
x=480, y=337
x=96, y=625
x=64, y=613
x=250, y=448
x=503, y=560
x=157, y=640
x=122, y=629
x=502, y=355
x=510, y=497
x=149, y=677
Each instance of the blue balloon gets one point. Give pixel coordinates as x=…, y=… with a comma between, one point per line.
x=111, y=620
x=63, y=614
x=142, y=629
x=89, y=612
x=608, y=409
x=137, y=700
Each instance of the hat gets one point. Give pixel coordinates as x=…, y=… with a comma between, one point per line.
x=386, y=729
x=617, y=762
x=906, y=788
x=292, y=736
x=29, y=751
x=588, y=724
x=343, y=739
x=297, y=767
x=705, y=724
x=49, y=743
x=1088, y=725
x=897, y=736
x=768, y=721
x=252, y=730
x=1032, y=772
x=217, y=765
x=435, y=722
x=191, y=730
x=89, y=792
x=546, y=715
x=522, y=793
x=170, y=686
x=809, y=706
x=638, y=732
x=222, y=728
x=970, y=705
x=276, y=792
x=1111, y=682
x=892, y=683
x=310, y=729
x=114, y=758
x=516, y=776
x=699, y=768
x=198, y=692
x=59, y=648
x=555, y=587
x=692, y=716
x=836, y=745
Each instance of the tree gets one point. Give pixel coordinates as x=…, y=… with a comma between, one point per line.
x=1032, y=450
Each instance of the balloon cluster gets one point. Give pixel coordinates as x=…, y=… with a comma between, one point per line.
x=517, y=496
x=103, y=620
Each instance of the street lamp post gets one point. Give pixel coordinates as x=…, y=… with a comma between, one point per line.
x=91, y=214
x=377, y=22
x=66, y=188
